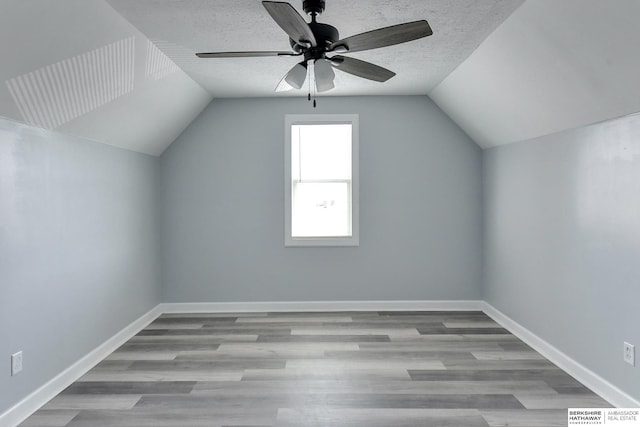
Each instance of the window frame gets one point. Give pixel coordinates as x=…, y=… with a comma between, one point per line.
x=317, y=119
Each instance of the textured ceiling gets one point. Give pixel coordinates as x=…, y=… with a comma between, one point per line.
x=182, y=27
x=552, y=65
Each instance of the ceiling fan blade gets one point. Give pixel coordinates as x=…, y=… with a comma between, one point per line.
x=324, y=75
x=290, y=21
x=243, y=54
x=382, y=37
x=363, y=69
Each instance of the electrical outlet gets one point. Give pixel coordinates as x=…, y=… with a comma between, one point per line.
x=16, y=363
x=630, y=354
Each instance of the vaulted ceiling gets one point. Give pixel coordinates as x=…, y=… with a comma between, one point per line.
x=78, y=67
x=123, y=72
x=552, y=65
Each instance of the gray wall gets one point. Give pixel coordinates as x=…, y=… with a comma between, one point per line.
x=223, y=207
x=562, y=242
x=78, y=249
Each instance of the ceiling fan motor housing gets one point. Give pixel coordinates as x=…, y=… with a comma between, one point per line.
x=325, y=34
x=313, y=6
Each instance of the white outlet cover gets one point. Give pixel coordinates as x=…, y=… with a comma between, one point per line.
x=16, y=363
x=630, y=354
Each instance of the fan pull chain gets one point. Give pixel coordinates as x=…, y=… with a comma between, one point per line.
x=309, y=80
x=312, y=88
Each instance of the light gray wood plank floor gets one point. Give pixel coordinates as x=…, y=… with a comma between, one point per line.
x=348, y=369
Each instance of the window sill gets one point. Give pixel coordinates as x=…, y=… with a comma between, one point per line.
x=321, y=241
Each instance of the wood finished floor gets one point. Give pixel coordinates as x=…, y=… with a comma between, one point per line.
x=356, y=369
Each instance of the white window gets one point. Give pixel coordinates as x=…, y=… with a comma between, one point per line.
x=321, y=180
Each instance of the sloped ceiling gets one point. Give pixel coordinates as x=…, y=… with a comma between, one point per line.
x=180, y=28
x=78, y=67
x=552, y=65
x=128, y=76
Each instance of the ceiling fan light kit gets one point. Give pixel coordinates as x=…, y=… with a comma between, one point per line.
x=297, y=75
x=324, y=75
x=314, y=41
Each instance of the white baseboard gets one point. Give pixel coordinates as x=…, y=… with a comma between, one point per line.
x=27, y=406
x=593, y=381
x=289, y=306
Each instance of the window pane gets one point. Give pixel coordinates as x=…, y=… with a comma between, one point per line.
x=321, y=152
x=321, y=210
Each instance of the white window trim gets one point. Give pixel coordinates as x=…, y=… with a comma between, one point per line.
x=352, y=119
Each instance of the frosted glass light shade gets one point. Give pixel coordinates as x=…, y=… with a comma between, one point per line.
x=323, y=72
x=296, y=76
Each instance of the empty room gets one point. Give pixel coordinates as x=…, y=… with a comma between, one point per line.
x=319, y=213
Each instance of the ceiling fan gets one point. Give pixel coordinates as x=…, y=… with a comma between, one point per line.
x=314, y=41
